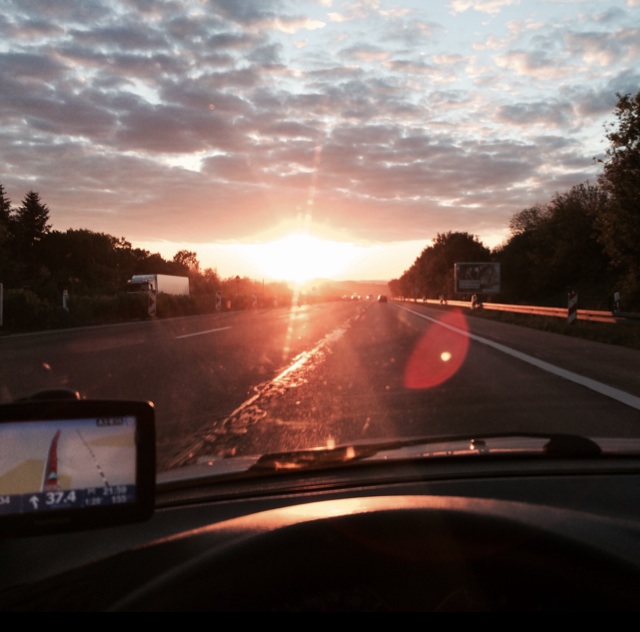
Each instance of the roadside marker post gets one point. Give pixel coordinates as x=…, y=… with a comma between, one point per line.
x=152, y=303
x=616, y=302
x=572, y=307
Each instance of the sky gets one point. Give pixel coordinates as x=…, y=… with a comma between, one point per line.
x=367, y=127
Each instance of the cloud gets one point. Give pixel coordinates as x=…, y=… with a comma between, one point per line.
x=266, y=14
x=556, y=114
x=204, y=121
x=482, y=6
x=539, y=64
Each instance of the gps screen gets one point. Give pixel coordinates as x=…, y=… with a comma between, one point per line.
x=74, y=465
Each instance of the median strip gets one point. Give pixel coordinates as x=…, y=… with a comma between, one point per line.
x=211, y=433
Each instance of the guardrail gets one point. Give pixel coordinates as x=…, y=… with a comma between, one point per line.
x=558, y=312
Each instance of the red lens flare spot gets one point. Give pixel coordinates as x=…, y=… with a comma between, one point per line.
x=439, y=353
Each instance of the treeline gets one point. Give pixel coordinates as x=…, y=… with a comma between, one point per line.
x=54, y=279
x=586, y=239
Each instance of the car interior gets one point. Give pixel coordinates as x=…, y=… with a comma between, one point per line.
x=550, y=530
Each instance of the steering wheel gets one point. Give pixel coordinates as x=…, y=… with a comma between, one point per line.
x=394, y=554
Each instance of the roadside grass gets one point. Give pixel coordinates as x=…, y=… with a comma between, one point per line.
x=623, y=333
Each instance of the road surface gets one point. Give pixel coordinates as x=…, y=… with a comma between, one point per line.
x=246, y=383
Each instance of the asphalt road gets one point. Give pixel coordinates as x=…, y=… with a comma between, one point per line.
x=280, y=379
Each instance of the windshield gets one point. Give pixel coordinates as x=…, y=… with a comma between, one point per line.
x=323, y=224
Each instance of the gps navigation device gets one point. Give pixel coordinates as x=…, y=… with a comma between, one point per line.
x=75, y=464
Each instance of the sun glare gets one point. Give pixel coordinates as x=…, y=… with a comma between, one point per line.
x=300, y=257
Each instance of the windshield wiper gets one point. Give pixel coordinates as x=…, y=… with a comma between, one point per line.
x=316, y=457
x=571, y=445
x=554, y=445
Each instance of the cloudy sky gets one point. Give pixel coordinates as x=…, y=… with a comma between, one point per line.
x=215, y=124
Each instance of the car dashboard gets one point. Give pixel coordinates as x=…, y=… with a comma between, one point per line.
x=461, y=534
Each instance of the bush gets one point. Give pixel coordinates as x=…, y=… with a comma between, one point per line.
x=24, y=311
x=98, y=310
x=169, y=306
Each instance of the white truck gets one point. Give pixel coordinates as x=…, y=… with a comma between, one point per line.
x=159, y=283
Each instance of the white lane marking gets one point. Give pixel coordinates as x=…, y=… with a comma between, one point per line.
x=202, y=333
x=609, y=391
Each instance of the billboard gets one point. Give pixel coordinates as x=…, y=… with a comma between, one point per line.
x=482, y=277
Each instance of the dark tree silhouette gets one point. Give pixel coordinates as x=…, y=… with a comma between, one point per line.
x=32, y=220
x=619, y=222
x=432, y=273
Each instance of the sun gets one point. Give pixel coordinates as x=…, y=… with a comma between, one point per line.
x=301, y=257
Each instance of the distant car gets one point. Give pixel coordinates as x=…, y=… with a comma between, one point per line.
x=382, y=298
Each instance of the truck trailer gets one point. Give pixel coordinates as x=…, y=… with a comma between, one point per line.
x=159, y=283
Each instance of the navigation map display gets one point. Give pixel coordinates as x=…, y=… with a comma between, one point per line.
x=72, y=463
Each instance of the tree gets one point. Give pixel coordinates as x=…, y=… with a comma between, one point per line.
x=395, y=287
x=207, y=282
x=8, y=264
x=32, y=220
x=526, y=220
x=618, y=222
x=6, y=221
x=568, y=253
x=85, y=261
x=188, y=260
x=553, y=247
x=432, y=273
x=5, y=212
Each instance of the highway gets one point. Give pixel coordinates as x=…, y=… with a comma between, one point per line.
x=245, y=383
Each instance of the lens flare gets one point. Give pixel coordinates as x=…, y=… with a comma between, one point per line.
x=439, y=354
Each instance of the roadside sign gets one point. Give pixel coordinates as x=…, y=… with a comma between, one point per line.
x=477, y=276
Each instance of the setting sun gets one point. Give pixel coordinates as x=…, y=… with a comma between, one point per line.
x=300, y=257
